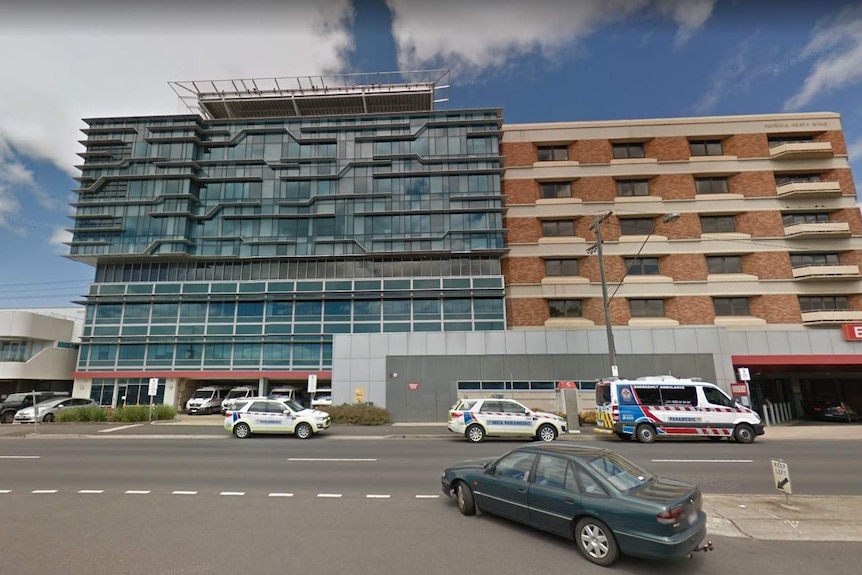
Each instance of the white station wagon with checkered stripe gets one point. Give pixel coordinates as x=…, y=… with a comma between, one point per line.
x=477, y=419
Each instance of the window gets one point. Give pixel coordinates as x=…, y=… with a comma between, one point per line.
x=730, y=306
x=647, y=307
x=710, y=185
x=724, y=264
x=781, y=179
x=628, y=188
x=805, y=218
x=619, y=472
x=512, y=407
x=553, y=153
x=777, y=140
x=802, y=260
x=715, y=397
x=551, y=472
x=565, y=307
x=678, y=395
x=647, y=394
x=717, y=224
x=642, y=266
x=556, y=189
x=823, y=303
x=557, y=228
x=705, y=148
x=626, y=151
x=585, y=482
x=515, y=466
x=561, y=267
x=636, y=226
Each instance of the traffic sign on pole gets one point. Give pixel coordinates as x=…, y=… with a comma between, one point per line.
x=781, y=477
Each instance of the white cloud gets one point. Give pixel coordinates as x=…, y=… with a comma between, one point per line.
x=838, y=43
x=59, y=236
x=854, y=150
x=13, y=174
x=734, y=75
x=67, y=61
x=478, y=35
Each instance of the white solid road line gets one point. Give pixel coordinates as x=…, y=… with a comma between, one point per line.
x=135, y=492
x=184, y=493
x=372, y=496
x=91, y=491
x=113, y=429
x=232, y=493
x=44, y=491
x=427, y=497
x=281, y=494
x=333, y=495
x=702, y=460
x=325, y=459
x=19, y=456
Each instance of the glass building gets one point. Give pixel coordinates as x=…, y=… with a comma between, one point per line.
x=230, y=244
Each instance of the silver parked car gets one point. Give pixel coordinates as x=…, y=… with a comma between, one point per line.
x=47, y=410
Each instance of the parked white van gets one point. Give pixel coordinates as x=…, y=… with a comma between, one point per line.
x=664, y=406
x=207, y=399
x=240, y=392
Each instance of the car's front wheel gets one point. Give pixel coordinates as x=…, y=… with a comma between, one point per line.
x=7, y=417
x=464, y=497
x=242, y=430
x=744, y=433
x=48, y=418
x=475, y=433
x=303, y=431
x=546, y=432
x=596, y=541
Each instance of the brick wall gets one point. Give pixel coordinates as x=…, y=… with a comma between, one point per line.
x=672, y=186
x=768, y=265
x=523, y=230
x=520, y=192
x=836, y=137
x=595, y=189
x=518, y=153
x=746, y=146
x=591, y=151
x=844, y=177
x=687, y=226
x=760, y=224
x=582, y=229
x=852, y=216
x=690, y=310
x=619, y=307
x=854, y=301
x=684, y=267
x=850, y=258
x=527, y=312
x=524, y=270
x=776, y=308
x=752, y=184
x=667, y=148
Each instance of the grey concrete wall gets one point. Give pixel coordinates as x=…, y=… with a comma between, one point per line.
x=360, y=360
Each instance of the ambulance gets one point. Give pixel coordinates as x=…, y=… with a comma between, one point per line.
x=653, y=407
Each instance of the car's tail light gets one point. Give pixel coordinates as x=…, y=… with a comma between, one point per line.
x=839, y=409
x=816, y=408
x=671, y=516
x=455, y=414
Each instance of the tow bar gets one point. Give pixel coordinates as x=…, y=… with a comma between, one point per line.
x=705, y=547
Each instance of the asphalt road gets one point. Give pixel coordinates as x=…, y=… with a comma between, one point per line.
x=163, y=534
x=404, y=467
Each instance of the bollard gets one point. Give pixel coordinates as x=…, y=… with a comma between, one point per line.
x=765, y=409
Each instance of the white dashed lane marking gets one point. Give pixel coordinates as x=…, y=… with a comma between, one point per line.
x=325, y=459
x=41, y=491
x=427, y=496
x=19, y=456
x=91, y=491
x=221, y=493
x=113, y=429
x=281, y=494
x=702, y=460
x=184, y=493
x=373, y=496
x=233, y=493
x=332, y=495
x=136, y=492
x=5, y=491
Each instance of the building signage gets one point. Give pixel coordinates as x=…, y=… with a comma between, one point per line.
x=567, y=385
x=154, y=386
x=852, y=331
x=739, y=388
x=413, y=386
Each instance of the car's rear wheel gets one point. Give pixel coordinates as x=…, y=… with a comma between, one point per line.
x=645, y=433
x=596, y=542
x=475, y=433
x=744, y=433
x=464, y=497
x=546, y=432
x=303, y=431
x=242, y=430
x=48, y=418
x=7, y=417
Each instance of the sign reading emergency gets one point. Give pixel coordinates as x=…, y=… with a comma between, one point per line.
x=412, y=386
x=781, y=476
x=852, y=331
x=739, y=388
x=567, y=385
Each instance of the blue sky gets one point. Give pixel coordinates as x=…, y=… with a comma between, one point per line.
x=542, y=61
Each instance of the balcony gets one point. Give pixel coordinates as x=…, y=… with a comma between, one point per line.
x=817, y=230
x=800, y=150
x=826, y=272
x=809, y=190
x=830, y=317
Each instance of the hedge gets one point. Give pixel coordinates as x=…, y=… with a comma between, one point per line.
x=126, y=414
x=357, y=414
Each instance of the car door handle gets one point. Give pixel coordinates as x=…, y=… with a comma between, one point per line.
x=522, y=490
x=569, y=500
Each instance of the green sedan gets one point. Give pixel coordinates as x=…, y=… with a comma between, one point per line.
x=606, y=503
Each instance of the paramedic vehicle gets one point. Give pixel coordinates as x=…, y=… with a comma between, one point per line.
x=494, y=417
x=664, y=406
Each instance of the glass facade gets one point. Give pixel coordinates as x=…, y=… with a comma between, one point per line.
x=246, y=244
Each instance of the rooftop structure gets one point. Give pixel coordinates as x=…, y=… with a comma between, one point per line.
x=300, y=96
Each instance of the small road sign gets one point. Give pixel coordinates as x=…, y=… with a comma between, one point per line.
x=153, y=387
x=781, y=476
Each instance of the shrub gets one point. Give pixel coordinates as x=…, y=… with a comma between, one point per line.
x=588, y=416
x=357, y=414
x=82, y=414
x=164, y=412
x=138, y=413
